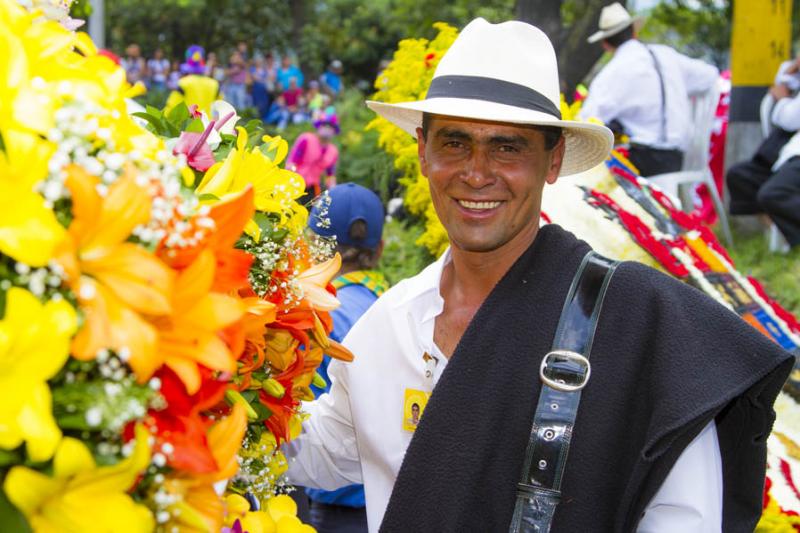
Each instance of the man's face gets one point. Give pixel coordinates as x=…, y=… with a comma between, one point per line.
x=486, y=179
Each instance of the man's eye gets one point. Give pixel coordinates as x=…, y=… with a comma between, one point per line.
x=454, y=144
x=507, y=148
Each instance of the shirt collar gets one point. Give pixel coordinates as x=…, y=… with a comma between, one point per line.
x=426, y=281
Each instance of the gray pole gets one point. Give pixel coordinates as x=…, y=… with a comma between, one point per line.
x=97, y=27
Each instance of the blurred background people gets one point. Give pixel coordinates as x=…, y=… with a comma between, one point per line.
x=331, y=79
x=134, y=64
x=644, y=92
x=769, y=182
x=158, y=69
x=314, y=155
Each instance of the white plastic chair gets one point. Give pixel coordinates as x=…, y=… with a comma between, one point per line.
x=695, y=168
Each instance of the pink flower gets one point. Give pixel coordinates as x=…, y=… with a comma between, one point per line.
x=198, y=153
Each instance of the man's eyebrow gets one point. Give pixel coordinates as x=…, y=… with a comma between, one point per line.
x=518, y=140
x=453, y=133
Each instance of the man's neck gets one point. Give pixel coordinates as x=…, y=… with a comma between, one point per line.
x=472, y=275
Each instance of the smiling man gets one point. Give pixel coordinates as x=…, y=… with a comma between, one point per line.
x=491, y=343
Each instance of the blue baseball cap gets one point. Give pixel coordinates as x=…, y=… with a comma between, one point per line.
x=347, y=203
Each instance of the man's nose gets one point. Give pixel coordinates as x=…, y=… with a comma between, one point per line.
x=479, y=172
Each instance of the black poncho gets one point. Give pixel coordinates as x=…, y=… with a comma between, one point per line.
x=666, y=360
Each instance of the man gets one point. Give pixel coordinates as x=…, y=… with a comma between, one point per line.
x=286, y=72
x=134, y=64
x=770, y=181
x=645, y=90
x=332, y=78
x=679, y=401
x=354, y=216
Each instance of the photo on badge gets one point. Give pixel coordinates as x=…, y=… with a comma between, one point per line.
x=413, y=406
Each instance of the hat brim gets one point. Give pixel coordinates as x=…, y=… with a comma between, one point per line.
x=587, y=144
x=637, y=23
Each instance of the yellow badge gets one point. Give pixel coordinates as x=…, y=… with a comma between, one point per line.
x=413, y=407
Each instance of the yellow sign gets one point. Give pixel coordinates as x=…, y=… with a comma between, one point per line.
x=761, y=40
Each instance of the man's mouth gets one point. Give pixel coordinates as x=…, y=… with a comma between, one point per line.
x=467, y=204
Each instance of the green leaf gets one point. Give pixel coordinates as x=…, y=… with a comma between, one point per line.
x=12, y=518
x=153, y=111
x=10, y=457
x=195, y=126
x=179, y=113
x=222, y=152
x=155, y=123
x=264, y=222
x=249, y=395
x=262, y=410
x=207, y=197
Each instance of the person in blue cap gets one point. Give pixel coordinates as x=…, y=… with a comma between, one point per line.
x=355, y=217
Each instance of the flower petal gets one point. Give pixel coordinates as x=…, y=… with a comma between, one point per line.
x=135, y=276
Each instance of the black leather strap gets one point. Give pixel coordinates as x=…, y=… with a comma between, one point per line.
x=663, y=135
x=564, y=372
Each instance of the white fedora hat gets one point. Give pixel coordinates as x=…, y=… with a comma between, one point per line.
x=613, y=19
x=503, y=73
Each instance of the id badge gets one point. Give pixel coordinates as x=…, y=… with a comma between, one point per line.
x=414, y=403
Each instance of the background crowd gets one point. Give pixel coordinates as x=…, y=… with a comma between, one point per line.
x=272, y=84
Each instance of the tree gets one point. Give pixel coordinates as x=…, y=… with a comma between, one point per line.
x=568, y=24
x=215, y=24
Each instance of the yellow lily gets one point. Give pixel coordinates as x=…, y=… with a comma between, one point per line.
x=276, y=189
x=314, y=280
x=34, y=345
x=29, y=231
x=58, y=503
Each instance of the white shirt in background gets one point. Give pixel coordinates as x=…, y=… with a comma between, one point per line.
x=355, y=434
x=628, y=90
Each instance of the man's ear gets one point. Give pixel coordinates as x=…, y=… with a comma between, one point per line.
x=379, y=250
x=557, y=158
x=423, y=165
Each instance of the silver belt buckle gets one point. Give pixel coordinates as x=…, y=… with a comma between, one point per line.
x=546, y=373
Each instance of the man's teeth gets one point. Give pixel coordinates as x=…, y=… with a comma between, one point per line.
x=478, y=205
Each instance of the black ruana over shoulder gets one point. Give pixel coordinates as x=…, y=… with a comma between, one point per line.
x=666, y=360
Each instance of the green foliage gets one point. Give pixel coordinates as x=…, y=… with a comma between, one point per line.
x=80, y=9
x=701, y=28
x=12, y=518
x=361, y=34
x=780, y=274
x=402, y=257
x=361, y=161
x=215, y=24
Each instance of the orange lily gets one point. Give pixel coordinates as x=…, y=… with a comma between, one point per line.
x=198, y=507
x=233, y=265
x=314, y=281
x=116, y=281
x=190, y=335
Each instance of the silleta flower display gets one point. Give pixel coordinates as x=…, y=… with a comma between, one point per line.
x=163, y=314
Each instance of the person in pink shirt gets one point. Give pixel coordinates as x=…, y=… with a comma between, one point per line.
x=314, y=154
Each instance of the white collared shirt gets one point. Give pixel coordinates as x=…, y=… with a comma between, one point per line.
x=628, y=90
x=354, y=433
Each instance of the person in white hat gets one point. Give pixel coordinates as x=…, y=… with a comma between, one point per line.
x=674, y=402
x=644, y=91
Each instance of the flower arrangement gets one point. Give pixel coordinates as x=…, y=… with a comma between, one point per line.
x=407, y=78
x=161, y=313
